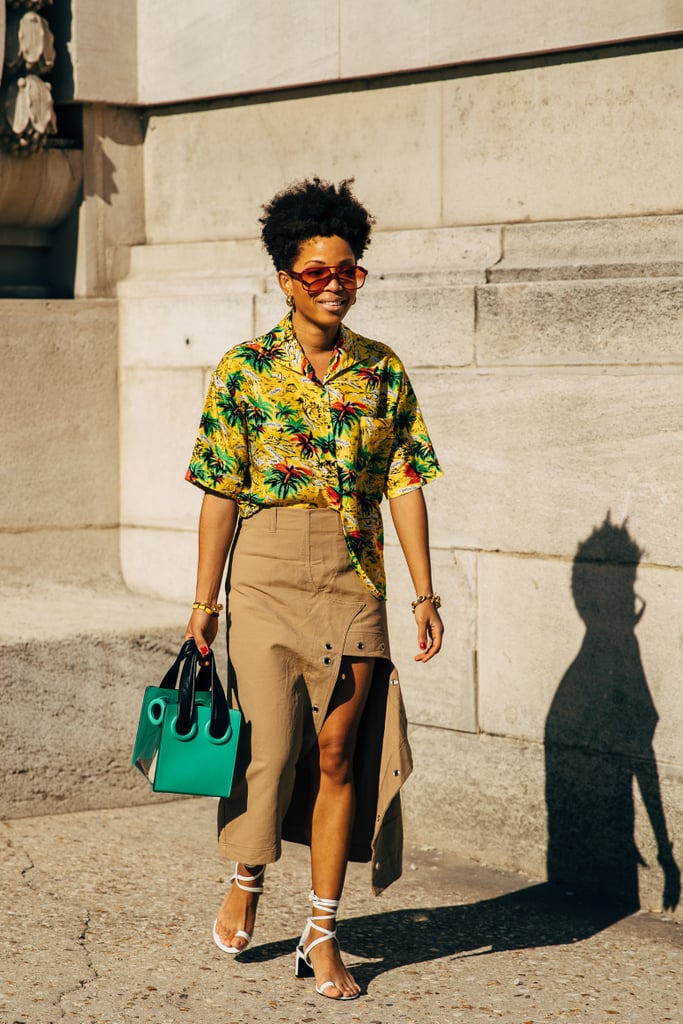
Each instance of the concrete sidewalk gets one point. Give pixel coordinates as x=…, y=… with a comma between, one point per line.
x=108, y=914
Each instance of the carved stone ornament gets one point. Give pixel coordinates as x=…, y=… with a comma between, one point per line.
x=30, y=44
x=27, y=114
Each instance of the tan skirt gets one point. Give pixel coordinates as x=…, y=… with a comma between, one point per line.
x=296, y=606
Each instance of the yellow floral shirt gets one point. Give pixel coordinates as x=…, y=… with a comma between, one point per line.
x=272, y=434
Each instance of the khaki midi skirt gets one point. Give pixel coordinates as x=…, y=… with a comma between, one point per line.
x=296, y=606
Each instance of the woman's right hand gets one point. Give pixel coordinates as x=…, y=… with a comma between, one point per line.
x=202, y=628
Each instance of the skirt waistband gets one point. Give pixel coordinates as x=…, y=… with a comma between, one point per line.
x=314, y=521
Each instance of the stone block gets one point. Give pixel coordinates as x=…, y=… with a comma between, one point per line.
x=72, y=716
x=429, y=33
x=102, y=51
x=206, y=49
x=163, y=562
x=276, y=146
x=112, y=216
x=87, y=556
x=461, y=254
x=72, y=709
x=484, y=797
x=183, y=330
x=160, y=413
x=578, y=322
x=532, y=457
x=60, y=421
x=425, y=325
x=197, y=262
x=600, y=683
x=619, y=247
x=442, y=692
x=561, y=141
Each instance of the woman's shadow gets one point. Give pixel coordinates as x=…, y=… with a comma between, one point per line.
x=538, y=915
x=599, y=734
x=598, y=738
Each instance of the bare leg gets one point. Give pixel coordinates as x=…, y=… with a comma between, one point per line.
x=334, y=810
x=237, y=912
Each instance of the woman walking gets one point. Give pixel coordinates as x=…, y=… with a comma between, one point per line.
x=304, y=430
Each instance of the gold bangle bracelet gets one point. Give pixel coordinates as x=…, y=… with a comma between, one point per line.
x=434, y=598
x=210, y=609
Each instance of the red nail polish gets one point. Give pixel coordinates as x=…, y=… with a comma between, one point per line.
x=423, y=645
x=203, y=650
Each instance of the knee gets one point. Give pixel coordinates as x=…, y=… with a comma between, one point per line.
x=336, y=763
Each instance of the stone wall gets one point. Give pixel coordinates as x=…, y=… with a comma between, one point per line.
x=59, y=493
x=527, y=266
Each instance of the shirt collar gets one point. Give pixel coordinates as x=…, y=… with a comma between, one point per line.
x=292, y=353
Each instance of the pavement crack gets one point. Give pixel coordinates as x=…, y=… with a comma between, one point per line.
x=83, y=942
x=19, y=852
x=89, y=970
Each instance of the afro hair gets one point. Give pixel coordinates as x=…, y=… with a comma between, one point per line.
x=313, y=209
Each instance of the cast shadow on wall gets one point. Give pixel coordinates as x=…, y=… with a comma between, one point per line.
x=599, y=735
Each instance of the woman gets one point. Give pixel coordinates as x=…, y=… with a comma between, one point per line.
x=303, y=431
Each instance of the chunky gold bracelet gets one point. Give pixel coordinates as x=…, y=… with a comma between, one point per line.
x=210, y=609
x=434, y=598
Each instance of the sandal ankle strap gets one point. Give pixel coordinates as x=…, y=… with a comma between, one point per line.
x=238, y=879
x=329, y=907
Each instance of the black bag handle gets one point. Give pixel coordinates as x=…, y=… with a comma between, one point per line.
x=192, y=671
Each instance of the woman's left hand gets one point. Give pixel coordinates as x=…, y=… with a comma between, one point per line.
x=429, y=631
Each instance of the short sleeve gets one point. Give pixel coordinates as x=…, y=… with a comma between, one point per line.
x=220, y=460
x=413, y=461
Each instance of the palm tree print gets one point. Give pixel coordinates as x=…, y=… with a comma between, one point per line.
x=259, y=357
x=346, y=414
x=257, y=413
x=286, y=480
x=305, y=443
x=391, y=376
x=208, y=462
x=370, y=376
x=209, y=424
x=228, y=410
x=233, y=382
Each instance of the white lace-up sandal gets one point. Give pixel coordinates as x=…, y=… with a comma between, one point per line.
x=256, y=889
x=327, y=911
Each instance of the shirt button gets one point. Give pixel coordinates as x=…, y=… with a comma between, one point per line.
x=360, y=645
x=327, y=661
x=315, y=709
x=328, y=647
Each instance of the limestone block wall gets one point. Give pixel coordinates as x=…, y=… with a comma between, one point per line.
x=527, y=266
x=135, y=51
x=59, y=493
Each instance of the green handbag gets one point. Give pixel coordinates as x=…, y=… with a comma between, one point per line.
x=187, y=735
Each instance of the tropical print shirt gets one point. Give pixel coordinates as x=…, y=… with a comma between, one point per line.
x=272, y=434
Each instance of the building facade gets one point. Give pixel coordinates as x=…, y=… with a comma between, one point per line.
x=524, y=169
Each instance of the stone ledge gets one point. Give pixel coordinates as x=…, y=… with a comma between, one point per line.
x=568, y=250
x=56, y=612
x=580, y=322
x=73, y=664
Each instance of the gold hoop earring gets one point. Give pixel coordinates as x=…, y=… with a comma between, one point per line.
x=290, y=302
